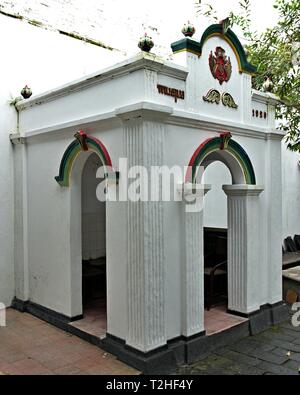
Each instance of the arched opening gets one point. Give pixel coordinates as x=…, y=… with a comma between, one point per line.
x=234, y=250
x=215, y=233
x=88, y=246
x=79, y=178
x=93, y=230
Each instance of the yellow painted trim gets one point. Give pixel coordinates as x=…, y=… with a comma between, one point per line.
x=234, y=50
x=187, y=50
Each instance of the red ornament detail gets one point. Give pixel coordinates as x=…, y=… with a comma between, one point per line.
x=220, y=65
x=225, y=138
x=81, y=136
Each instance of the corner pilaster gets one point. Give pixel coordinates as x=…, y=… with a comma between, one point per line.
x=144, y=139
x=193, y=267
x=244, y=248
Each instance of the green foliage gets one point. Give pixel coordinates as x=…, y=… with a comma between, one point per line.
x=275, y=53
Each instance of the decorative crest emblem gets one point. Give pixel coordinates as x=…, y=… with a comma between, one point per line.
x=220, y=65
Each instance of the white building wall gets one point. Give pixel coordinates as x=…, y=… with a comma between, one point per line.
x=42, y=59
x=290, y=192
x=7, y=123
x=93, y=213
x=215, y=206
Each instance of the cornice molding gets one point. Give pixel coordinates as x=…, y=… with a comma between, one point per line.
x=144, y=110
x=17, y=139
x=165, y=114
x=243, y=190
x=141, y=61
x=196, y=121
x=265, y=97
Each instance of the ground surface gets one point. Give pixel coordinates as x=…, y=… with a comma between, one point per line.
x=276, y=351
x=31, y=346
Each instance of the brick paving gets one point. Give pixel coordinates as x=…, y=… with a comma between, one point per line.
x=273, y=352
x=29, y=346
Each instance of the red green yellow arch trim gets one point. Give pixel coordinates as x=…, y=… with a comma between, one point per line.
x=82, y=143
x=223, y=143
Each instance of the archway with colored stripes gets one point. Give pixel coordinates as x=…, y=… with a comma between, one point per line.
x=83, y=143
x=226, y=150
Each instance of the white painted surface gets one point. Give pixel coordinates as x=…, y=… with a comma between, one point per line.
x=215, y=209
x=54, y=213
x=290, y=192
x=42, y=59
x=8, y=123
x=93, y=213
x=244, y=244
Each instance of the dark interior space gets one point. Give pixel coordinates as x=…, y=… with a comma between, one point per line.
x=94, y=299
x=93, y=281
x=215, y=267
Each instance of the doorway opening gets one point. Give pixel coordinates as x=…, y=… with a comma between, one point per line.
x=93, y=229
x=215, y=267
x=215, y=234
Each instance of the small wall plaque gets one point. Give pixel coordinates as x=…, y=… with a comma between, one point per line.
x=176, y=93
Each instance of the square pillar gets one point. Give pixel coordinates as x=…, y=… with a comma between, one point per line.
x=244, y=248
x=193, y=267
x=274, y=217
x=144, y=146
x=20, y=219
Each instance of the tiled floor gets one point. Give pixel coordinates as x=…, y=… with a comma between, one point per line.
x=94, y=321
x=217, y=320
x=31, y=346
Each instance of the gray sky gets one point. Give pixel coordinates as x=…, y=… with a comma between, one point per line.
x=120, y=23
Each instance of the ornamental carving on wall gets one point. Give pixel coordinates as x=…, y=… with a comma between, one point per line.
x=220, y=65
x=228, y=101
x=214, y=96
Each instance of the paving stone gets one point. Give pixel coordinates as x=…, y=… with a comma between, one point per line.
x=238, y=357
x=293, y=365
x=269, y=357
x=247, y=345
x=273, y=352
x=278, y=335
x=283, y=344
x=289, y=326
x=297, y=341
x=223, y=366
x=293, y=356
x=292, y=333
x=268, y=367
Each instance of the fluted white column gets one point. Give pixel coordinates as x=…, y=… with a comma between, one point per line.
x=244, y=248
x=144, y=145
x=21, y=221
x=193, y=267
x=274, y=217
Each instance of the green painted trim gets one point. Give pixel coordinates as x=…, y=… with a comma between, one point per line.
x=71, y=153
x=187, y=44
x=216, y=30
x=213, y=145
